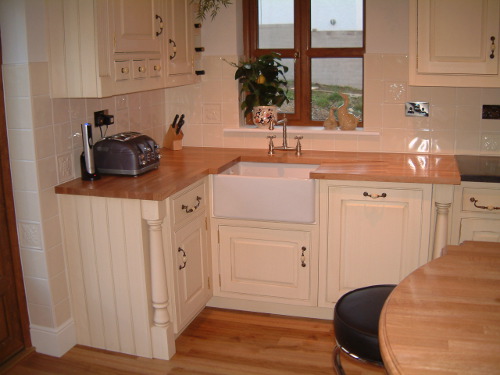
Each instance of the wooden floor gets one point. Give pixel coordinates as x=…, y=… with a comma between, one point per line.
x=218, y=342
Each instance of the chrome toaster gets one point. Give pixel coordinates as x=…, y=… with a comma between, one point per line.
x=128, y=154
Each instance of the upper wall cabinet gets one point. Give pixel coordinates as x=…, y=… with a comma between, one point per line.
x=102, y=48
x=137, y=26
x=454, y=43
x=180, y=43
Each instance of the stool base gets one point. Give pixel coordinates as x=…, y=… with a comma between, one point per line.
x=337, y=365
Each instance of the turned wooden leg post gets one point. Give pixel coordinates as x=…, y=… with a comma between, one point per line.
x=441, y=232
x=162, y=331
x=159, y=292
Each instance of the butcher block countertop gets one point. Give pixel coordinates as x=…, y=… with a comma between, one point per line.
x=179, y=169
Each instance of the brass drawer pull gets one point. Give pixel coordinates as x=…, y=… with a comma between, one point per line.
x=158, y=33
x=184, y=258
x=189, y=210
x=374, y=196
x=174, y=49
x=303, y=257
x=489, y=208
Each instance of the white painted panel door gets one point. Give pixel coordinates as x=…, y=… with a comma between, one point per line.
x=479, y=229
x=455, y=36
x=190, y=255
x=265, y=263
x=180, y=50
x=136, y=25
x=371, y=240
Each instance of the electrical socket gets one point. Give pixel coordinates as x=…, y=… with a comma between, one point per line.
x=491, y=112
x=102, y=118
x=420, y=109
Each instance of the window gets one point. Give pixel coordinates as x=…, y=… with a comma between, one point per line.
x=321, y=42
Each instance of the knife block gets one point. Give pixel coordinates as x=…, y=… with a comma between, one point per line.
x=171, y=140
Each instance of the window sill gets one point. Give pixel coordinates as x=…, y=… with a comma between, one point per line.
x=300, y=130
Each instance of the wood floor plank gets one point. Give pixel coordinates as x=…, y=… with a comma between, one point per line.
x=217, y=342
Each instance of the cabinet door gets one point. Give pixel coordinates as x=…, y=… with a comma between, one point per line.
x=190, y=255
x=136, y=24
x=479, y=229
x=374, y=236
x=455, y=37
x=180, y=50
x=265, y=264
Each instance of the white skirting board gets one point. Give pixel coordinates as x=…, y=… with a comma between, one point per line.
x=54, y=341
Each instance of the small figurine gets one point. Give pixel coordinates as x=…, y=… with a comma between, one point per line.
x=347, y=120
x=331, y=122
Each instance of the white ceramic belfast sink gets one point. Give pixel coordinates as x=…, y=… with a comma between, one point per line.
x=265, y=191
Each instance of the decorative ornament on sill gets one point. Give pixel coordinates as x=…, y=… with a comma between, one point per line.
x=331, y=122
x=347, y=121
x=206, y=6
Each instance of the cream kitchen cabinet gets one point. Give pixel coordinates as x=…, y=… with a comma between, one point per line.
x=267, y=263
x=476, y=212
x=372, y=233
x=138, y=269
x=180, y=50
x=190, y=253
x=101, y=48
x=454, y=43
x=137, y=25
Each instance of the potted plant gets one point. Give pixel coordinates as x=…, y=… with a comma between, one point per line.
x=209, y=6
x=264, y=85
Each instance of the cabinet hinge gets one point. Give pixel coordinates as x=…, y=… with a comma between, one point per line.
x=208, y=282
x=218, y=237
x=220, y=282
x=206, y=223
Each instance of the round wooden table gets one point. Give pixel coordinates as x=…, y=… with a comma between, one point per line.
x=444, y=318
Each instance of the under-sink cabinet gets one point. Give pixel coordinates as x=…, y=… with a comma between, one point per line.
x=267, y=263
x=476, y=212
x=371, y=233
x=101, y=48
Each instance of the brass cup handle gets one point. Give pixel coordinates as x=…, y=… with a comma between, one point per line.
x=374, y=196
x=195, y=207
x=184, y=258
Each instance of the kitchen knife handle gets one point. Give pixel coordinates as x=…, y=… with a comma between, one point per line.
x=175, y=121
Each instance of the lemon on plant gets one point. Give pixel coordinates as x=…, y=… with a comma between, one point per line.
x=261, y=79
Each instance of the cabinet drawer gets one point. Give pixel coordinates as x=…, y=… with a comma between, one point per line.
x=122, y=70
x=154, y=68
x=140, y=69
x=188, y=204
x=481, y=200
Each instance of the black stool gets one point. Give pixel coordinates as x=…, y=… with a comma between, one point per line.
x=355, y=322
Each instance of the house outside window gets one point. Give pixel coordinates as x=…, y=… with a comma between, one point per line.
x=321, y=42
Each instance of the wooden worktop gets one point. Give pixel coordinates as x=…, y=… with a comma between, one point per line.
x=179, y=169
x=444, y=318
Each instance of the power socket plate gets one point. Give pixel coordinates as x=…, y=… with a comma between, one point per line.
x=419, y=109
